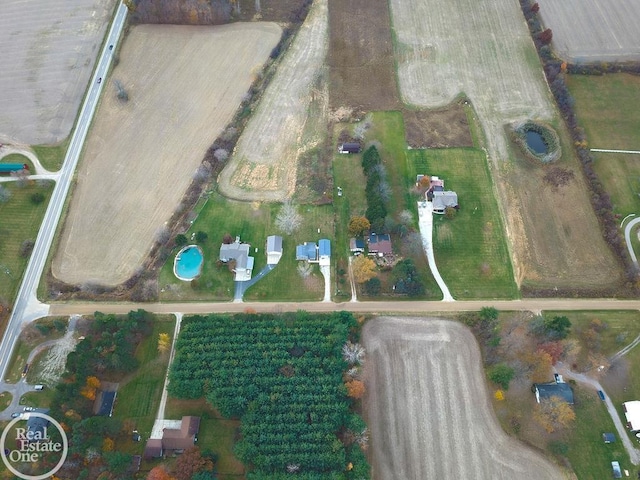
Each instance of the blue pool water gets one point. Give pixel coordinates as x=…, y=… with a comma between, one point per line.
x=188, y=263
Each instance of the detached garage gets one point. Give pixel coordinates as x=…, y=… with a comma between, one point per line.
x=632, y=413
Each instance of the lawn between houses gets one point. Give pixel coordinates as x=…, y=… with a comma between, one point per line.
x=606, y=107
x=253, y=222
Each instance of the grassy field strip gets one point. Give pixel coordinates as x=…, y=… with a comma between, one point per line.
x=264, y=164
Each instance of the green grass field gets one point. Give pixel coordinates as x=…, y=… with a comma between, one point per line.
x=470, y=249
x=139, y=394
x=607, y=108
x=52, y=156
x=19, y=221
x=253, y=222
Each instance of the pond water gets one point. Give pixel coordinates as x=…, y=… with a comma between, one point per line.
x=536, y=143
x=188, y=263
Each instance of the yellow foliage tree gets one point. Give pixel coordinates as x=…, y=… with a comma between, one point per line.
x=107, y=445
x=553, y=413
x=93, y=382
x=90, y=388
x=363, y=269
x=499, y=395
x=358, y=226
x=540, y=363
x=355, y=388
x=163, y=342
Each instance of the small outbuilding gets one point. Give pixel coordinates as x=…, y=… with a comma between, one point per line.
x=349, y=147
x=356, y=246
x=274, y=249
x=632, y=414
x=608, y=437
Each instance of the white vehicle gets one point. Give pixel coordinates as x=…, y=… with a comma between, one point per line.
x=38, y=387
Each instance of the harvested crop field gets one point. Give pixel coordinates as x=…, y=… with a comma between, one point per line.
x=428, y=407
x=264, y=163
x=593, y=30
x=490, y=57
x=441, y=128
x=184, y=85
x=361, y=62
x=48, y=52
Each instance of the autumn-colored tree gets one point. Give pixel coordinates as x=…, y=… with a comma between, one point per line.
x=553, y=413
x=159, y=473
x=355, y=388
x=90, y=388
x=535, y=7
x=163, y=342
x=539, y=364
x=545, y=37
x=107, y=445
x=363, y=269
x=499, y=395
x=554, y=349
x=358, y=226
x=571, y=348
x=191, y=462
x=93, y=382
x=425, y=181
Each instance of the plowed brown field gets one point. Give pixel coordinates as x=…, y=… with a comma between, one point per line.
x=428, y=407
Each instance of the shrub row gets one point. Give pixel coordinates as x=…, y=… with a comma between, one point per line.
x=555, y=71
x=377, y=188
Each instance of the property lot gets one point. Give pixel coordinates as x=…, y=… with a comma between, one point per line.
x=442, y=51
x=184, y=84
x=593, y=30
x=607, y=107
x=428, y=407
x=264, y=164
x=47, y=56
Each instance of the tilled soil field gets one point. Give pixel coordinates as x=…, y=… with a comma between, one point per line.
x=453, y=47
x=184, y=85
x=428, y=407
x=49, y=48
x=593, y=30
x=264, y=163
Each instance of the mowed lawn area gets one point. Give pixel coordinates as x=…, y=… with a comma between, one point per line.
x=470, y=249
x=607, y=107
x=253, y=222
x=20, y=220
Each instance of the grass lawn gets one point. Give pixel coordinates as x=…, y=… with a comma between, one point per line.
x=470, y=249
x=52, y=156
x=19, y=221
x=216, y=434
x=41, y=399
x=5, y=400
x=17, y=158
x=607, y=108
x=139, y=394
x=253, y=222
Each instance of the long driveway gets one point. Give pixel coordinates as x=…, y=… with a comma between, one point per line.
x=627, y=237
x=425, y=221
x=27, y=307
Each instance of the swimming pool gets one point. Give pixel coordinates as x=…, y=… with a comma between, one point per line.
x=188, y=263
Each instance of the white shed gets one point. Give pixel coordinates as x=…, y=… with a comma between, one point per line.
x=274, y=249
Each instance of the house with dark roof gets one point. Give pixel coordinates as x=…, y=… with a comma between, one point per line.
x=379, y=244
x=443, y=200
x=36, y=426
x=239, y=252
x=356, y=246
x=105, y=399
x=308, y=251
x=557, y=388
x=273, y=249
x=174, y=440
x=349, y=147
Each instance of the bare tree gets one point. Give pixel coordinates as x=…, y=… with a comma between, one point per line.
x=405, y=217
x=221, y=154
x=203, y=172
x=162, y=235
x=304, y=269
x=288, y=219
x=22, y=175
x=361, y=128
x=5, y=194
x=122, y=93
x=353, y=353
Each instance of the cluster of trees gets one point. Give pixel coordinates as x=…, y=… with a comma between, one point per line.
x=108, y=348
x=377, y=190
x=192, y=464
x=282, y=375
x=407, y=279
x=555, y=71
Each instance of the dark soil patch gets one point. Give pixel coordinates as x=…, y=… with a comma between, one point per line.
x=558, y=177
x=281, y=11
x=361, y=62
x=444, y=128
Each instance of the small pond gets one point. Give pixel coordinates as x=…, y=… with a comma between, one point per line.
x=188, y=263
x=536, y=143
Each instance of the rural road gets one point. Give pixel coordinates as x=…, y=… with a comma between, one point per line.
x=27, y=307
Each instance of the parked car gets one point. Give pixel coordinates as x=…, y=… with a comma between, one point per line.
x=601, y=394
x=110, y=47
x=16, y=414
x=29, y=409
x=38, y=387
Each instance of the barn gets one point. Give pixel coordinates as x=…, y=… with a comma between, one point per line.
x=350, y=147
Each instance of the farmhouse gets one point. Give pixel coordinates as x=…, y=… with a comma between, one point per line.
x=356, y=246
x=36, y=425
x=379, y=244
x=349, y=147
x=557, y=388
x=324, y=250
x=308, y=251
x=239, y=252
x=274, y=249
x=172, y=436
x=443, y=200
x=632, y=414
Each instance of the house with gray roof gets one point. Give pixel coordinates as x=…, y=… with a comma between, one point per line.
x=557, y=388
x=239, y=252
x=274, y=249
x=443, y=200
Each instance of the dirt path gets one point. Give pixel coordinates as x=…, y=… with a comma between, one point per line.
x=428, y=407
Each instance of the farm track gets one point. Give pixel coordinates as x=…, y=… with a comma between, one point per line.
x=444, y=50
x=178, y=105
x=593, y=30
x=264, y=164
x=49, y=49
x=428, y=407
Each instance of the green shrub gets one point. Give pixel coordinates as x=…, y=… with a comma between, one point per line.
x=501, y=374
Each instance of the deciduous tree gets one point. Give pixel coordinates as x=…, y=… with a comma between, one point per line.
x=159, y=473
x=553, y=413
x=363, y=269
x=501, y=374
x=355, y=388
x=191, y=462
x=163, y=342
x=358, y=226
x=288, y=219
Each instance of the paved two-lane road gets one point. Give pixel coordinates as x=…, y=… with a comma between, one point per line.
x=27, y=307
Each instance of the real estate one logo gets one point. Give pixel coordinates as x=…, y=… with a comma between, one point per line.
x=33, y=443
